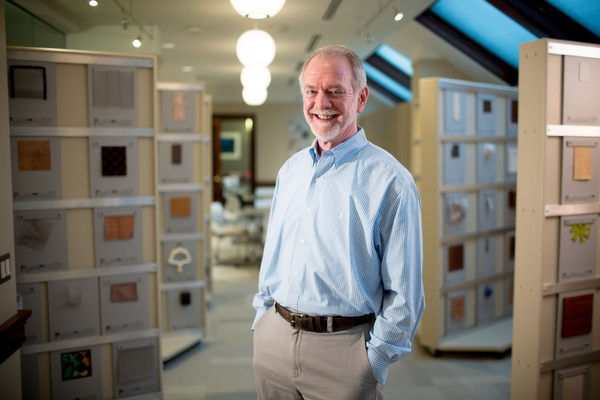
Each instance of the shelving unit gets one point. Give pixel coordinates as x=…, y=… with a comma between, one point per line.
x=84, y=189
x=467, y=144
x=556, y=352
x=182, y=233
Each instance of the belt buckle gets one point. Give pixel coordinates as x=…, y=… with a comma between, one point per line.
x=293, y=316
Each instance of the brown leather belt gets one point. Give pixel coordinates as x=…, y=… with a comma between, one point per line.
x=321, y=323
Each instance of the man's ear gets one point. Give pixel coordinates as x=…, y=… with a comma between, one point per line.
x=362, y=99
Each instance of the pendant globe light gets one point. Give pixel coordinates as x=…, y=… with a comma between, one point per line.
x=255, y=76
x=254, y=96
x=257, y=9
x=255, y=47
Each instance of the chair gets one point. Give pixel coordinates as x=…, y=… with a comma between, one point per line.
x=222, y=227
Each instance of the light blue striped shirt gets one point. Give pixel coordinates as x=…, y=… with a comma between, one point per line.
x=344, y=238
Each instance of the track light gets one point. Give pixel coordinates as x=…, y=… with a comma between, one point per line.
x=397, y=14
x=93, y=3
x=137, y=42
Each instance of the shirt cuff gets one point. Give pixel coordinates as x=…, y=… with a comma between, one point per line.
x=379, y=366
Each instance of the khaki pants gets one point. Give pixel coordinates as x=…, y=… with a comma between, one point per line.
x=295, y=364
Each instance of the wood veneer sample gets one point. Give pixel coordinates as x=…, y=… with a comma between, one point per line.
x=34, y=155
x=577, y=315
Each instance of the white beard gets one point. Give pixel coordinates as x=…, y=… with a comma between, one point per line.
x=329, y=136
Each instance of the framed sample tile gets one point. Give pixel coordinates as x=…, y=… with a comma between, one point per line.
x=456, y=209
x=76, y=373
x=455, y=163
x=487, y=206
x=73, y=308
x=510, y=247
x=29, y=298
x=455, y=112
x=486, y=162
x=509, y=296
x=455, y=260
x=123, y=303
x=577, y=251
x=36, y=168
x=581, y=84
x=485, y=121
x=112, y=96
x=40, y=241
x=175, y=162
x=511, y=162
x=113, y=166
x=32, y=93
x=486, y=302
x=574, y=323
x=580, y=168
x=185, y=308
x=135, y=367
x=180, y=261
x=179, y=111
x=180, y=212
x=456, y=311
x=573, y=383
x=118, y=235
x=512, y=116
x=486, y=256
x=30, y=375
x=510, y=210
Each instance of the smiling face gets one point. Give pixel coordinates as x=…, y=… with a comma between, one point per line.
x=331, y=106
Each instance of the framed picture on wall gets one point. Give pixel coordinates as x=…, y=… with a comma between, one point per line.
x=231, y=145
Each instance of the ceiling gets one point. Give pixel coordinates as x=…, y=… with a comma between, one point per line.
x=204, y=34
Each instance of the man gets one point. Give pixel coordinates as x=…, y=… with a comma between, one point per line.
x=340, y=291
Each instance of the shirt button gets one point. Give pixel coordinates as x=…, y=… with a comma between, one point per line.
x=302, y=241
x=308, y=209
x=291, y=303
x=295, y=272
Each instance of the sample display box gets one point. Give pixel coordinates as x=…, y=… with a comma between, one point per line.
x=40, y=241
x=36, y=168
x=118, y=235
x=73, y=308
x=32, y=93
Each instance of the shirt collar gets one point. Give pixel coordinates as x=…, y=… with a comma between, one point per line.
x=345, y=150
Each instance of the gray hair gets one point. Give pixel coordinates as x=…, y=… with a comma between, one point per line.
x=359, y=78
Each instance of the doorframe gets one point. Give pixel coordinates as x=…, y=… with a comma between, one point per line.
x=216, y=133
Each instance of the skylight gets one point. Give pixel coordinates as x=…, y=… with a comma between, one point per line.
x=485, y=25
x=388, y=73
x=396, y=59
x=585, y=12
x=388, y=83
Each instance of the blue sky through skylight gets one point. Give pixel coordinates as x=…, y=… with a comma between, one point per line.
x=387, y=82
x=486, y=25
x=585, y=12
x=395, y=58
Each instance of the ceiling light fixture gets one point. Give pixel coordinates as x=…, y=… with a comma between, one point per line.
x=255, y=48
x=93, y=3
x=368, y=37
x=397, y=14
x=257, y=9
x=128, y=19
x=255, y=77
x=254, y=96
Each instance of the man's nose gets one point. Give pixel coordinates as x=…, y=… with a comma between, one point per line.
x=322, y=100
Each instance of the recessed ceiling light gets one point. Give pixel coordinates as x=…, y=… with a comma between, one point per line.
x=187, y=68
x=168, y=45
